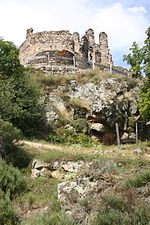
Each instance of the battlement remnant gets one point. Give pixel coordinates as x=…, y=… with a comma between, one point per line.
x=29, y=32
x=62, y=47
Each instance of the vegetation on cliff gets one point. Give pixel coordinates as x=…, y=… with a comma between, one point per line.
x=139, y=60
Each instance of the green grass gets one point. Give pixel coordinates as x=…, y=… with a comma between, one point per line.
x=139, y=180
x=116, y=170
x=85, y=201
x=58, y=218
x=42, y=192
x=53, y=80
x=116, y=202
x=115, y=210
x=50, y=155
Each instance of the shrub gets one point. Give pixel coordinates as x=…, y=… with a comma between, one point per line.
x=69, y=137
x=80, y=125
x=11, y=180
x=7, y=214
x=9, y=133
x=20, y=158
x=131, y=121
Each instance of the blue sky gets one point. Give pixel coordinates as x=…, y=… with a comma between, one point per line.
x=124, y=21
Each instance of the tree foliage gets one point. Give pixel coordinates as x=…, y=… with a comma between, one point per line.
x=146, y=54
x=134, y=59
x=8, y=133
x=144, y=101
x=18, y=96
x=9, y=61
x=139, y=60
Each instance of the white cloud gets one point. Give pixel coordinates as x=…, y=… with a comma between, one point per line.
x=140, y=9
x=123, y=25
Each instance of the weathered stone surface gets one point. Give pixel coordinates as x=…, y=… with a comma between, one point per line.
x=108, y=103
x=138, y=151
x=44, y=172
x=82, y=196
x=43, y=48
x=70, y=192
x=58, y=170
x=97, y=126
x=76, y=195
x=124, y=136
x=40, y=169
x=56, y=107
x=35, y=173
x=132, y=136
x=57, y=174
x=72, y=166
x=38, y=164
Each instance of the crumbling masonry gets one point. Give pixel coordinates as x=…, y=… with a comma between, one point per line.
x=62, y=51
x=63, y=43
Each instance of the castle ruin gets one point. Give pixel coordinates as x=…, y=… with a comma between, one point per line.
x=61, y=48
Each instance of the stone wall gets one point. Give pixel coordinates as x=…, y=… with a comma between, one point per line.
x=63, y=43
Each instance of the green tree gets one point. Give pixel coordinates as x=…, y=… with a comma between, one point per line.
x=144, y=101
x=134, y=59
x=9, y=61
x=139, y=60
x=146, y=54
x=18, y=96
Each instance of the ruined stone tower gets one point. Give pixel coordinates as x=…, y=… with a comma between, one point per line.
x=62, y=47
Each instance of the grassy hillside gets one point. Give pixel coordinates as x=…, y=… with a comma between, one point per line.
x=39, y=203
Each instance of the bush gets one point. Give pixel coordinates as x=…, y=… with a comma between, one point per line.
x=11, y=180
x=131, y=121
x=7, y=214
x=69, y=137
x=19, y=97
x=9, y=133
x=80, y=125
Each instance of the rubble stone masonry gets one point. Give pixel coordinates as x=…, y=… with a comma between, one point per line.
x=61, y=47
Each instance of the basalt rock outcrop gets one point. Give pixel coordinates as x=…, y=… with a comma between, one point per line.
x=102, y=105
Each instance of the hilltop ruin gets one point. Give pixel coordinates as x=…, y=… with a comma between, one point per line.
x=56, y=50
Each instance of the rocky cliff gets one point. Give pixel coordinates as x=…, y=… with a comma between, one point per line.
x=101, y=104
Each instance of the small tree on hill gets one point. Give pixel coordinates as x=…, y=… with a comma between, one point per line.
x=139, y=60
